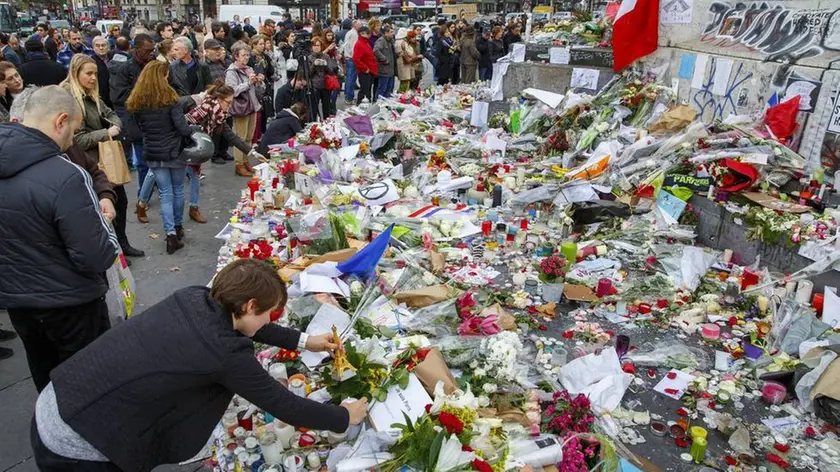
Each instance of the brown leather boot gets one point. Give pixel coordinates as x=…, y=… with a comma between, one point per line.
x=195, y=215
x=248, y=166
x=140, y=209
x=242, y=171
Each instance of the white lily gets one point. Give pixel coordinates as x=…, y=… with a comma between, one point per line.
x=451, y=456
x=457, y=399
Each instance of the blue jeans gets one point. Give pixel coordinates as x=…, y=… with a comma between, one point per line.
x=195, y=186
x=170, y=184
x=386, y=87
x=485, y=73
x=144, y=194
x=140, y=164
x=350, y=81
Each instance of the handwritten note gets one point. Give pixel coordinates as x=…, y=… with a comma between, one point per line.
x=585, y=78
x=558, y=55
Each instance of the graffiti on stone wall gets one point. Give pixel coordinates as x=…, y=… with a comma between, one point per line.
x=778, y=33
x=712, y=107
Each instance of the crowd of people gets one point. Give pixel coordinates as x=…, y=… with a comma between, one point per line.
x=63, y=94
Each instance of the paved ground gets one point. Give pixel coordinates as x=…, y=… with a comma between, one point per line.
x=157, y=275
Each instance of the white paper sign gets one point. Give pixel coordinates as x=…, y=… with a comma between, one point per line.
x=412, y=401
x=803, y=88
x=303, y=184
x=558, y=55
x=478, y=116
x=699, y=71
x=585, y=78
x=517, y=52
x=723, y=69
x=673, y=12
x=831, y=307
x=322, y=323
x=679, y=383
x=834, y=121
x=499, y=71
x=379, y=193
x=549, y=98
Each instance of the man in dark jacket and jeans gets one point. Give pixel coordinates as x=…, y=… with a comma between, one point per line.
x=187, y=75
x=123, y=76
x=54, y=255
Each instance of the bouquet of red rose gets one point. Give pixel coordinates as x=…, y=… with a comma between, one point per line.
x=552, y=269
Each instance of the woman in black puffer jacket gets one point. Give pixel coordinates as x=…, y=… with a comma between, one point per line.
x=160, y=117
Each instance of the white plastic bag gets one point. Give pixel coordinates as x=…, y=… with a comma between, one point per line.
x=121, y=290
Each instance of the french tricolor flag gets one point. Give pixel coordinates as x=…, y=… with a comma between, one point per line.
x=635, y=31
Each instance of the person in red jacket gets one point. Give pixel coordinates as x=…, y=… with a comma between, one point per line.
x=366, y=65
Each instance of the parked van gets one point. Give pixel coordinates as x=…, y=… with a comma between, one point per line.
x=106, y=25
x=257, y=13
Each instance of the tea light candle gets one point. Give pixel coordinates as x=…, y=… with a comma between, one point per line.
x=306, y=440
x=790, y=287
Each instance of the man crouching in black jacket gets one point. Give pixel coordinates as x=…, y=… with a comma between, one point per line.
x=151, y=390
x=55, y=244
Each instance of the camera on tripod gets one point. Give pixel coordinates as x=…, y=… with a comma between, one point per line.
x=303, y=44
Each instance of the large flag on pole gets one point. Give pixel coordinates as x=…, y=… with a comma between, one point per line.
x=635, y=31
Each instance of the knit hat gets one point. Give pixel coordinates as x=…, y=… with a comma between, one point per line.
x=364, y=29
x=411, y=34
x=33, y=45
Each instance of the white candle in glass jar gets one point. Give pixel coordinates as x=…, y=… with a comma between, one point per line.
x=271, y=447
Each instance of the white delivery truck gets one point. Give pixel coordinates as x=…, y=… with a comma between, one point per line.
x=257, y=13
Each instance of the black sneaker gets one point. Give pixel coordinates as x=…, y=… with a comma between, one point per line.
x=179, y=231
x=218, y=160
x=228, y=156
x=7, y=335
x=6, y=353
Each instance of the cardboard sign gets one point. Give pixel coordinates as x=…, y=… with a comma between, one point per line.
x=579, y=293
x=834, y=121
x=775, y=204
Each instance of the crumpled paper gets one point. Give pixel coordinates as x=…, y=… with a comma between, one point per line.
x=425, y=296
x=599, y=377
x=674, y=119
